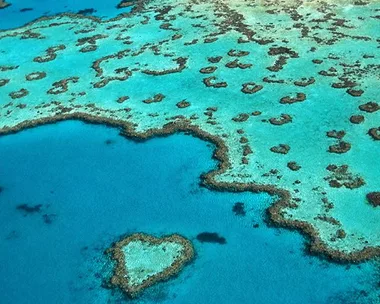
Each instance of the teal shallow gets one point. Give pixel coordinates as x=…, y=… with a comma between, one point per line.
x=99, y=186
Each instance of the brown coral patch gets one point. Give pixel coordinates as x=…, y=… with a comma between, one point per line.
x=356, y=119
x=194, y=41
x=181, y=62
x=355, y=93
x=62, y=86
x=121, y=99
x=123, y=74
x=331, y=72
x=125, y=3
x=243, y=140
x=370, y=107
x=51, y=54
x=341, y=177
x=236, y=64
x=304, y=82
x=35, y=76
x=251, y=88
x=247, y=150
x=19, y=94
x=3, y=82
x=269, y=80
x=90, y=40
x=4, y=68
x=88, y=48
x=317, y=61
x=120, y=273
x=4, y=4
x=214, y=59
x=209, y=82
x=374, y=198
x=336, y=134
x=235, y=53
x=156, y=98
x=278, y=64
x=341, y=234
x=281, y=149
x=283, y=119
x=374, y=133
x=176, y=36
x=208, y=70
x=241, y=117
x=167, y=26
x=293, y=166
x=340, y=147
x=274, y=51
x=283, y=54
x=346, y=83
x=183, y=104
x=210, y=40
x=300, y=97
x=328, y=219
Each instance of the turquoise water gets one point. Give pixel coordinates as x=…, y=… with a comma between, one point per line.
x=111, y=68
x=69, y=190
x=94, y=186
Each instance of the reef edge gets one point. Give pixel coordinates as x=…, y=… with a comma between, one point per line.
x=315, y=245
x=119, y=277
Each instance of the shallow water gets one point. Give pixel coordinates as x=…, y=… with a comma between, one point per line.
x=88, y=67
x=94, y=186
x=67, y=191
x=120, y=55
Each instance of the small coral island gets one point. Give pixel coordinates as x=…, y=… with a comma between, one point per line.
x=143, y=260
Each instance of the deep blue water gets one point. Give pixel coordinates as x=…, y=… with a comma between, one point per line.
x=94, y=186
x=24, y=11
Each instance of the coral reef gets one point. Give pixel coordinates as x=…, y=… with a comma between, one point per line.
x=143, y=260
x=4, y=4
x=88, y=72
x=374, y=198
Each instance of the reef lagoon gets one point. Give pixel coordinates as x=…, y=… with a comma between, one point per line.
x=190, y=151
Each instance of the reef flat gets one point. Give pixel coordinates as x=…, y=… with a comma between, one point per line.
x=287, y=91
x=143, y=260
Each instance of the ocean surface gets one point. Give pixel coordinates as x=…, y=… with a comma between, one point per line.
x=84, y=186
x=71, y=189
